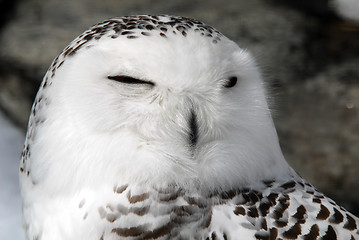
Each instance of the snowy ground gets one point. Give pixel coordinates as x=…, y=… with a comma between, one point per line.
x=11, y=141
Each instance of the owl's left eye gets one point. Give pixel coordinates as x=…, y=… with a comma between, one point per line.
x=231, y=82
x=129, y=80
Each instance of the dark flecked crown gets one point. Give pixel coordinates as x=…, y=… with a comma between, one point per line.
x=132, y=27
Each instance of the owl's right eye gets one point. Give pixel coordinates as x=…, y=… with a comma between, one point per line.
x=232, y=81
x=129, y=80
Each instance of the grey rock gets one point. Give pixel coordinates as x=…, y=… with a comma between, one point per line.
x=319, y=130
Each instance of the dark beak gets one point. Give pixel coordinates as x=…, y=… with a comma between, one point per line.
x=193, y=135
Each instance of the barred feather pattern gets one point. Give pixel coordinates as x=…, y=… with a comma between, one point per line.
x=278, y=210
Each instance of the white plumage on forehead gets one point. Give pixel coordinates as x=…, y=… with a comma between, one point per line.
x=157, y=127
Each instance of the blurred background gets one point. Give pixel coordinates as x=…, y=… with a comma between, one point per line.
x=307, y=50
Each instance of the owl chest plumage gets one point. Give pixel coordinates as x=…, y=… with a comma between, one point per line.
x=278, y=210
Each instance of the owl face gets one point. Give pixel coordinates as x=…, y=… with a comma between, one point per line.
x=159, y=87
x=175, y=105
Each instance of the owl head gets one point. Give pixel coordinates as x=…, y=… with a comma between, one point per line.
x=154, y=99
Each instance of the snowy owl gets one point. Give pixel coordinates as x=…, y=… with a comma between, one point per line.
x=157, y=127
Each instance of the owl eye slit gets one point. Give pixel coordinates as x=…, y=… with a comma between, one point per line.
x=232, y=81
x=129, y=80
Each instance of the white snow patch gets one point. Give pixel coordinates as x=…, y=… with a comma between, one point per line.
x=348, y=9
x=11, y=142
